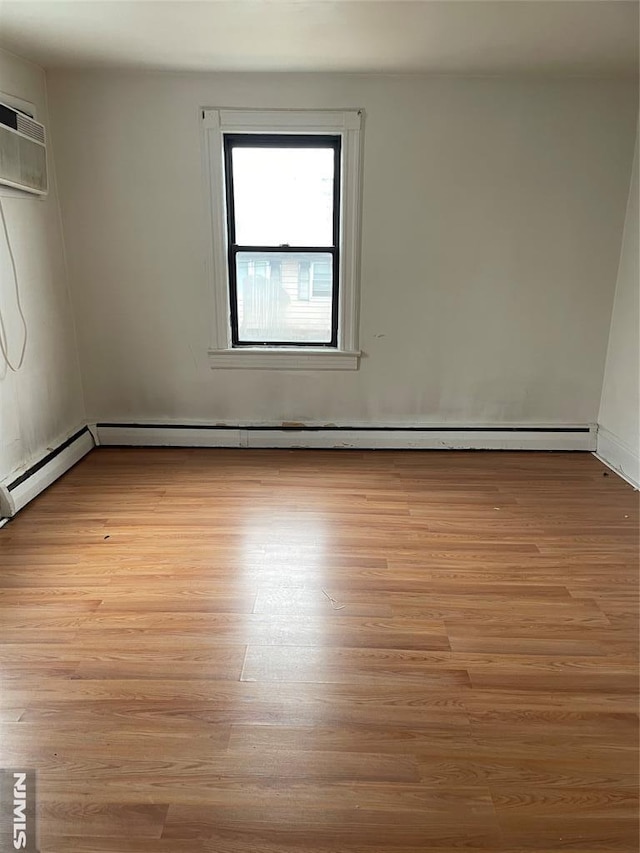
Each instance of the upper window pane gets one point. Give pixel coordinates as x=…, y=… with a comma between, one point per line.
x=283, y=196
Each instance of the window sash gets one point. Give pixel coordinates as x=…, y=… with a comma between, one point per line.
x=278, y=140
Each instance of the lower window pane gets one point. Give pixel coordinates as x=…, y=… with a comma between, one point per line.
x=284, y=297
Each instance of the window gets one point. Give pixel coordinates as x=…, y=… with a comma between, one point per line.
x=283, y=216
x=285, y=223
x=315, y=279
x=321, y=278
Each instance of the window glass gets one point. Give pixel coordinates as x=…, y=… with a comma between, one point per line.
x=283, y=196
x=273, y=298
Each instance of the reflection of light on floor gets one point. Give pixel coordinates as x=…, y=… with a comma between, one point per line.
x=291, y=609
x=284, y=546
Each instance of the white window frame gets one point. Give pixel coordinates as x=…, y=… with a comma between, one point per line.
x=347, y=123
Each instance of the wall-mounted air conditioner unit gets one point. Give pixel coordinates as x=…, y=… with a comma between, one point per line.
x=23, y=152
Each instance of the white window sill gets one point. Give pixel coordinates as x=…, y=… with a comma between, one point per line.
x=283, y=358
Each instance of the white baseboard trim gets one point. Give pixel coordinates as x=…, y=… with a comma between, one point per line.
x=526, y=437
x=619, y=456
x=18, y=489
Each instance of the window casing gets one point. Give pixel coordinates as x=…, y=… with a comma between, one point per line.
x=248, y=278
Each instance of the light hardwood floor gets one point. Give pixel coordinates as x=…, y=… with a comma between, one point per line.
x=325, y=652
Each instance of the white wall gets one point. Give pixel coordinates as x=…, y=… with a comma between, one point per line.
x=42, y=403
x=491, y=231
x=619, y=433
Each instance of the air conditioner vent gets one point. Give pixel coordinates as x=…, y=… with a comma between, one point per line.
x=30, y=128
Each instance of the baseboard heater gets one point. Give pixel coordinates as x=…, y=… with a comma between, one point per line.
x=580, y=437
x=18, y=490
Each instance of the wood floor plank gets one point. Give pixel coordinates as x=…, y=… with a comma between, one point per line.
x=450, y=740
x=427, y=816
x=300, y=629
x=114, y=821
x=605, y=819
x=238, y=702
x=304, y=663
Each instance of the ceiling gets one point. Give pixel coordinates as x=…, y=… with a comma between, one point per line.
x=433, y=36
